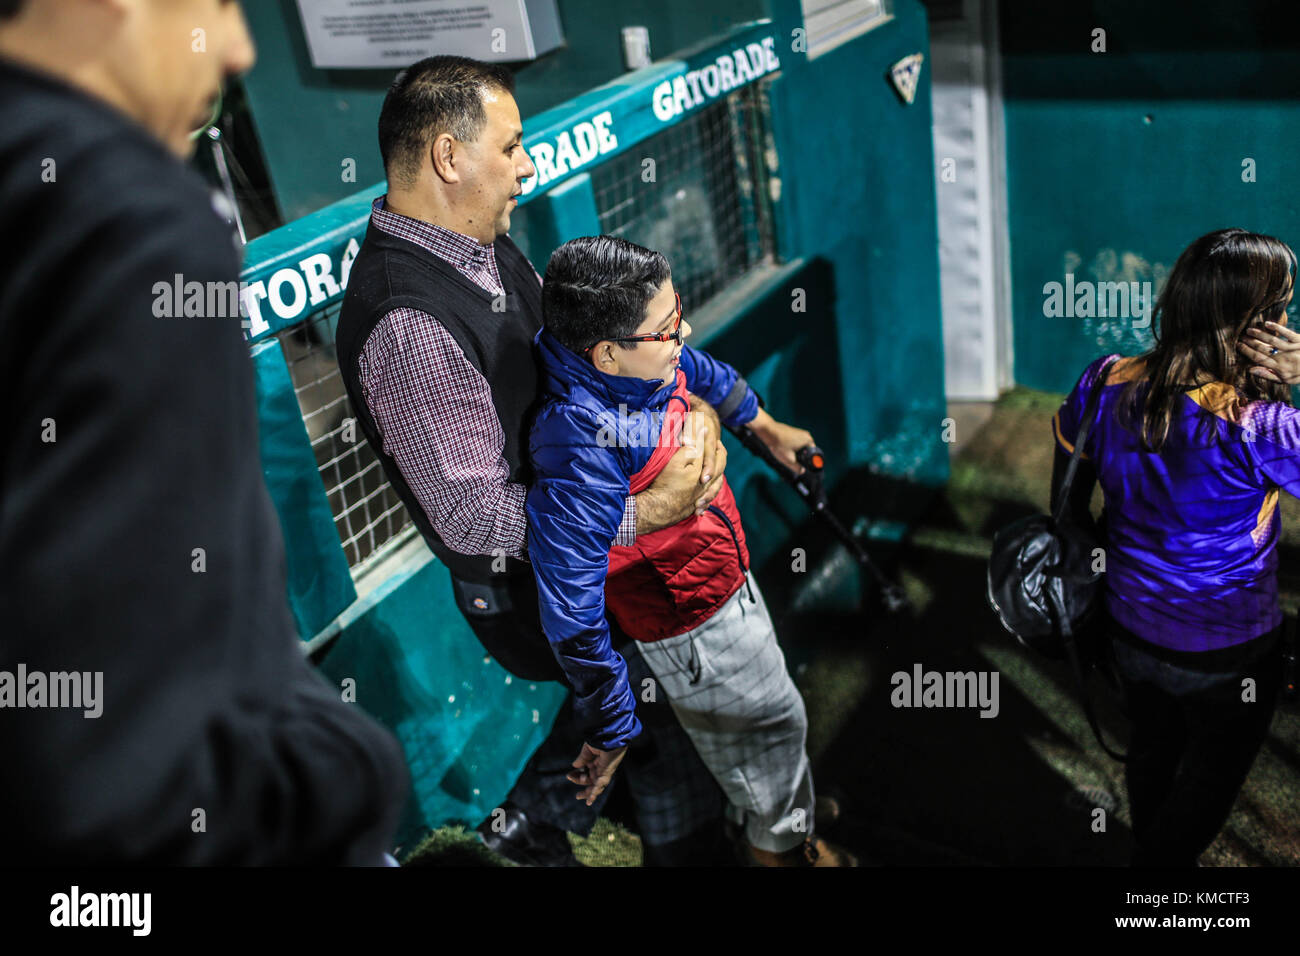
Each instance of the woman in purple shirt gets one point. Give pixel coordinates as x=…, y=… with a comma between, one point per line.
x=1192, y=443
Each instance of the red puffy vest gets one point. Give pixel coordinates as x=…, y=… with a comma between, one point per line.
x=674, y=579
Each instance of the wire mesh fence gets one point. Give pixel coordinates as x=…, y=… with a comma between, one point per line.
x=367, y=512
x=697, y=192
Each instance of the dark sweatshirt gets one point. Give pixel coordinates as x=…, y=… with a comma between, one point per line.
x=216, y=741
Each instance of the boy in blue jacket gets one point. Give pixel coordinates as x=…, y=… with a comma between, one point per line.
x=615, y=375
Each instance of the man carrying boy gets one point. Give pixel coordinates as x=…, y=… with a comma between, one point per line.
x=435, y=349
x=615, y=377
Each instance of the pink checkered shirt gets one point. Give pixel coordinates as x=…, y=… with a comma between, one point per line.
x=418, y=385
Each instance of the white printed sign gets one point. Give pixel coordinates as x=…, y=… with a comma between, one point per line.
x=364, y=34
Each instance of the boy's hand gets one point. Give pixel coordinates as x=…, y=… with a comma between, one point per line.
x=784, y=440
x=594, y=769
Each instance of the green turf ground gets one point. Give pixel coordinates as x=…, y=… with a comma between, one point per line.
x=938, y=786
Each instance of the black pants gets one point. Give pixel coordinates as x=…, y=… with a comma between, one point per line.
x=1194, y=738
x=679, y=806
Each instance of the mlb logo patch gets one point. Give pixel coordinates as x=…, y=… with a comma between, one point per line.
x=480, y=603
x=905, y=74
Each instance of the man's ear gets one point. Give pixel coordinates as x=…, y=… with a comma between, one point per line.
x=442, y=156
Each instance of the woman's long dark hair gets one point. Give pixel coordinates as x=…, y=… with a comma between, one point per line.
x=1223, y=283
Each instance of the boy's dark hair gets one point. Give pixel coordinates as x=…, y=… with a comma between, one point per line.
x=598, y=287
x=10, y=8
x=439, y=94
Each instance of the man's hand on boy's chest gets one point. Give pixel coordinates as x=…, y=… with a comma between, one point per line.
x=691, y=479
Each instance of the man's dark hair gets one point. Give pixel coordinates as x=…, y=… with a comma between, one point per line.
x=10, y=8
x=598, y=287
x=440, y=94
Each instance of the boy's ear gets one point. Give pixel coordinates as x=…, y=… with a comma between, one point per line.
x=602, y=356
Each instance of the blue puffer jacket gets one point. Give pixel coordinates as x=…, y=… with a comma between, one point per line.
x=584, y=452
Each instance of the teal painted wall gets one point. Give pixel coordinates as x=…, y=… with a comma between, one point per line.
x=467, y=727
x=310, y=120
x=858, y=191
x=1117, y=160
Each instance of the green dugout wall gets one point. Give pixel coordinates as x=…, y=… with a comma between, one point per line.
x=798, y=212
x=1116, y=160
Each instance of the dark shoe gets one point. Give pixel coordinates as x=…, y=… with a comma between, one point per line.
x=526, y=842
x=813, y=852
x=821, y=852
x=828, y=810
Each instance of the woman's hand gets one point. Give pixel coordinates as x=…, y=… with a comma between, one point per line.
x=1275, y=351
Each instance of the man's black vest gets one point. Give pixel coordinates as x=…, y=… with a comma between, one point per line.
x=391, y=273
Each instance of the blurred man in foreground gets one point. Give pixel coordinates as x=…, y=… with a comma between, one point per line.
x=154, y=703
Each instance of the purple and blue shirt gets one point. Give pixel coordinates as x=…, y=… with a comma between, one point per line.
x=1191, y=532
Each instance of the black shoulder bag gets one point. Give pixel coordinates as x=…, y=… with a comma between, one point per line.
x=1040, y=578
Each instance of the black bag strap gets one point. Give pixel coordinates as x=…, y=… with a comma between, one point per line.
x=1056, y=598
x=1089, y=413
x=1062, y=621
